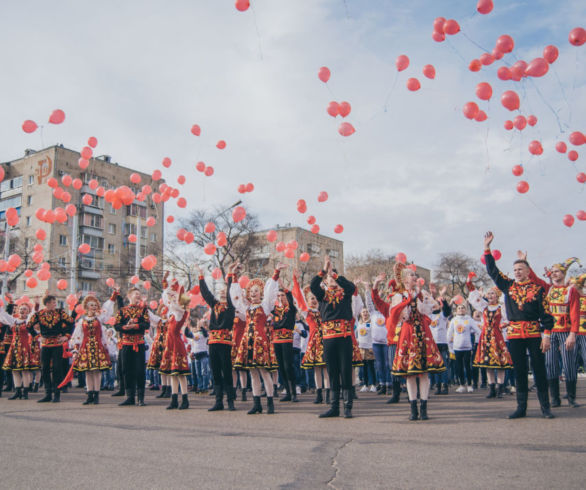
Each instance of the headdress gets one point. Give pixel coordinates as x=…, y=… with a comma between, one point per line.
x=564, y=266
x=580, y=280
x=255, y=282
x=87, y=299
x=176, y=287
x=398, y=269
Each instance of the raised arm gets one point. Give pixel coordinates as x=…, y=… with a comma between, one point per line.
x=298, y=295
x=502, y=282
x=270, y=292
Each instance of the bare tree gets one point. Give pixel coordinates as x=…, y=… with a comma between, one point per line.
x=453, y=269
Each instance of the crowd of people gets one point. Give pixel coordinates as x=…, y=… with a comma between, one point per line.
x=388, y=335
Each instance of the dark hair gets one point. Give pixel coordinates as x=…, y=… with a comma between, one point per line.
x=521, y=261
x=48, y=298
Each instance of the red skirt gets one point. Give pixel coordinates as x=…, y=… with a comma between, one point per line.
x=255, y=351
x=417, y=352
x=314, y=354
x=157, y=350
x=174, y=360
x=92, y=356
x=492, y=352
x=20, y=356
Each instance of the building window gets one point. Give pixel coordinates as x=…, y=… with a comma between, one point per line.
x=63, y=240
x=24, y=285
x=153, y=237
x=136, y=210
x=112, y=210
x=86, y=286
x=28, y=221
x=143, y=233
x=333, y=254
x=313, y=249
x=29, y=200
x=97, y=243
x=61, y=261
x=93, y=220
x=129, y=229
x=31, y=179
x=111, y=248
x=26, y=242
x=112, y=229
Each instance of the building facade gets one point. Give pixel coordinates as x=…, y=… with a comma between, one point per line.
x=98, y=224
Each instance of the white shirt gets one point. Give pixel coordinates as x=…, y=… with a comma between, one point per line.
x=377, y=323
x=439, y=327
x=199, y=343
x=364, y=335
x=460, y=332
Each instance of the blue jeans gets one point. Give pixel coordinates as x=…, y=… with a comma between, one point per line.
x=109, y=376
x=381, y=361
x=437, y=378
x=309, y=377
x=299, y=378
x=202, y=369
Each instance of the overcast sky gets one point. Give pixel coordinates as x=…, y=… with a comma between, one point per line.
x=416, y=176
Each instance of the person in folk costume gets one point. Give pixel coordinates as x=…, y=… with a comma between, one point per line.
x=175, y=362
x=580, y=285
x=492, y=352
x=55, y=326
x=5, y=340
x=236, y=294
x=314, y=353
x=132, y=321
x=335, y=306
x=417, y=354
x=90, y=341
x=222, y=314
x=528, y=313
x=20, y=358
x=159, y=335
x=564, y=305
x=439, y=330
x=255, y=352
x=357, y=361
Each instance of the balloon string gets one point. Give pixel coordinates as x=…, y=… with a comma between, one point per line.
x=574, y=85
x=534, y=204
x=386, y=104
x=473, y=42
x=486, y=140
x=563, y=93
x=346, y=10
x=257, y=31
x=557, y=118
x=452, y=47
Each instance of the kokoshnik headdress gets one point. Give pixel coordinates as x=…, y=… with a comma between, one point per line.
x=564, y=266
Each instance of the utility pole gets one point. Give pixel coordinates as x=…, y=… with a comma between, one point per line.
x=6, y=250
x=137, y=250
x=73, y=274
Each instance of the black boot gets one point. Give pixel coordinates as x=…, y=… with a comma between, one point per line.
x=287, y=397
x=571, y=390
x=554, y=390
x=256, y=406
x=414, y=413
x=521, y=406
x=25, y=392
x=438, y=389
x=129, y=399
x=163, y=393
x=140, y=397
x=423, y=410
x=334, y=410
x=327, y=396
x=318, y=396
x=347, y=394
x=219, y=405
x=96, y=397
x=174, y=403
x=231, y=396
x=243, y=397
x=545, y=406
x=57, y=396
x=90, y=398
x=500, y=389
x=18, y=394
x=444, y=389
x=293, y=392
x=35, y=387
x=46, y=398
x=382, y=390
x=270, y=405
x=353, y=393
x=396, y=392
x=120, y=392
x=184, y=402
x=491, y=391
x=168, y=392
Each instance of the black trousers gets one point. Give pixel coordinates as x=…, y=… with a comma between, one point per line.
x=284, y=353
x=518, y=349
x=134, y=367
x=221, y=364
x=52, y=366
x=2, y=356
x=338, y=357
x=463, y=365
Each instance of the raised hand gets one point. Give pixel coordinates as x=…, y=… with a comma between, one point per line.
x=488, y=238
x=521, y=255
x=281, y=266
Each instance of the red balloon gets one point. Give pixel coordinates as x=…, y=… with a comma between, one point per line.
x=217, y=273
x=484, y=6
x=518, y=170
x=345, y=108
x=92, y=141
x=181, y=179
x=200, y=166
x=290, y=253
x=315, y=229
x=157, y=175
x=304, y=257
x=497, y=55
x=84, y=248
x=451, y=27
x=484, y=91
x=148, y=262
x=249, y=187
x=581, y=177
x=481, y=116
x=241, y=188
x=413, y=84
x=402, y=62
x=41, y=234
x=535, y=148
x=238, y=214
x=209, y=171
x=292, y=244
x=182, y=202
x=31, y=283
x=486, y=59
x=195, y=130
x=568, y=220
x=520, y=122
x=209, y=227
x=170, y=219
x=83, y=163
x=87, y=152
x=220, y=145
x=573, y=155
x=189, y=237
x=242, y=5
x=581, y=215
x=135, y=178
x=132, y=238
x=29, y=126
x=531, y=120
x=429, y=71
x=550, y=53
x=505, y=43
x=271, y=236
x=518, y=70
x=333, y=108
x=338, y=229
x=537, y=68
x=61, y=284
x=401, y=258
x=311, y=220
x=324, y=74
x=438, y=24
x=346, y=129
x=280, y=246
x=522, y=187
x=322, y=196
x=2, y=173
x=57, y=117
x=577, y=36
x=166, y=162
x=222, y=239
x=87, y=199
x=510, y=100
x=496, y=254
x=301, y=206
x=475, y=65
x=509, y=125
x=577, y=138
x=561, y=147
x=438, y=37
x=470, y=110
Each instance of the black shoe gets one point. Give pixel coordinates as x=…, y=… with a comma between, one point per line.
x=294, y=392
x=174, y=403
x=219, y=405
x=545, y=406
x=347, y=395
x=96, y=397
x=414, y=413
x=353, y=393
x=438, y=389
x=334, y=410
x=129, y=400
x=168, y=392
x=56, y=396
x=382, y=390
x=35, y=387
x=120, y=392
x=423, y=410
x=25, y=393
x=90, y=398
x=163, y=393
x=327, y=396
x=491, y=391
x=500, y=389
x=483, y=385
x=318, y=396
x=444, y=389
x=287, y=397
x=256, y=406
x=140, y=398
x=243, y=397
x=231, y=406
x=396, y=392
x=270, y=405
x=18, y=395
x=554, y=391
x=571, y=390
x=47, y=398
x=184, y=402
x=521, y=406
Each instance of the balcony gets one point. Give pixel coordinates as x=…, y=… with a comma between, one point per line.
x=89, y=274
x=89, y=230
x=92, y=210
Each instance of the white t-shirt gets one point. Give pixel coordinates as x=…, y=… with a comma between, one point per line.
x=460, y=332
x=363, y=333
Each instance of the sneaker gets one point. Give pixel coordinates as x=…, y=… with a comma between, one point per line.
x=460, y=389
x=298, y=390
x=470, y=389
x=372, y=389
x=284, y=392
x=512, y=390
x=364, y=389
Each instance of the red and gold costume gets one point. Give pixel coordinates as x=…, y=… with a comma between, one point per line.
x=175, y=361
x=492, y=352
x=237, y=333
x=314, y=354
x=19, y=356
x=89, y=338
x=255, y=350
x=158, y=346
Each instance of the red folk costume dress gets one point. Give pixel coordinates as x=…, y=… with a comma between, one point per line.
x=314, y=353
x=19, y=356
x=255, y=349
x=158, y=346
x=175, y=361
x=91, y=341
x=417, y=352
x=492, y=352
x=239, y=325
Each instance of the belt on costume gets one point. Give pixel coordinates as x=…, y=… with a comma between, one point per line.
x=337, y=328
x=523, y=329
x=133, y=340
x=220, y=336
x=51, y=342
x=282, y=335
